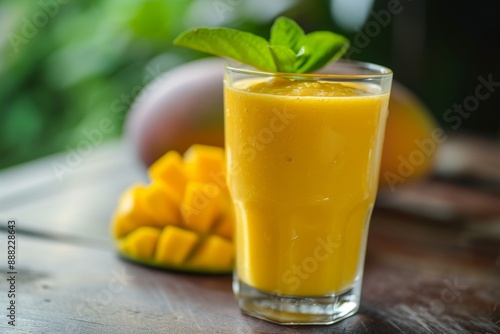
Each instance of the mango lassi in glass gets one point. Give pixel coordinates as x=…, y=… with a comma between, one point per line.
x=303, y=155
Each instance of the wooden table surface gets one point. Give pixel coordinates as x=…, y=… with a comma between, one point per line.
x=437, y=271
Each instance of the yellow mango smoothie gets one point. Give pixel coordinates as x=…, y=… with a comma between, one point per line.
x=303, y=163
x=303, y=136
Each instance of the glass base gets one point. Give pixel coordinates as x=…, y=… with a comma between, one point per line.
x=297, y=310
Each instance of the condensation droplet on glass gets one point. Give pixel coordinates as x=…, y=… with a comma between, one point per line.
x=289, y=160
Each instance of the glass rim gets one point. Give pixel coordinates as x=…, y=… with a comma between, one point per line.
x=379, y=71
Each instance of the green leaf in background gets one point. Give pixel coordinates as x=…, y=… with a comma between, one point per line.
x=241, y=46
x=149, y=20
x=73, y=68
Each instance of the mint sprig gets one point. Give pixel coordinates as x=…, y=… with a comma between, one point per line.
x=288, y=50
x=241, y=46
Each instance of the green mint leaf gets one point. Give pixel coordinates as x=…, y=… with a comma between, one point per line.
x=288, y=33
x=241, y=46
x=312, y=51
x=320, y=48
x=284, y=58
x=289, y=49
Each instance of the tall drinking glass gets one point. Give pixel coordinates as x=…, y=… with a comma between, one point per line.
x=303, y=156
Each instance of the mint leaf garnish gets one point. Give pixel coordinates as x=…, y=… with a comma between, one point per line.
x=289, y=49
x=320, y=48
x=288, y=33
x=284, y=58
x=241, y=46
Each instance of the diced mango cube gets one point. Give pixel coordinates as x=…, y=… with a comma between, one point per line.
x=141, y=243
x=130, y=212
x=215, y=253
x=200, y=207
x=160, y=204
x=170, y=170
x=206, y=164
x=174, y=245
x=225, y=228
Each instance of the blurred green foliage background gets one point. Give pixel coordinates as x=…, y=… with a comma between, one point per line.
x=65, y=64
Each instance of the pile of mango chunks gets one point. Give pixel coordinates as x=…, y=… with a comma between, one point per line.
x=183, y=219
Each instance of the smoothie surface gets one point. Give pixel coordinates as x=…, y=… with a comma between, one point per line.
x=283, y=86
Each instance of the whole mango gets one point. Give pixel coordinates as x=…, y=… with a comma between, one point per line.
x=412, y=138
x=184, y=106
